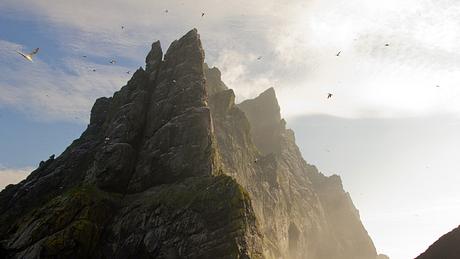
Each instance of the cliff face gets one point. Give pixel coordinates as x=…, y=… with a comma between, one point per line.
x=446, y=247
x=301, y=213
x=171, y=167
x=141, y=182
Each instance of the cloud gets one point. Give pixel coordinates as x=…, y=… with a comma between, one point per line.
x=13, y=175
x=48, y=92
x=298, y=41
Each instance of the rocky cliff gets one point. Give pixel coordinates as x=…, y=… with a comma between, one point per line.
x=446, y=247
x=301, y=213
x=171, y=167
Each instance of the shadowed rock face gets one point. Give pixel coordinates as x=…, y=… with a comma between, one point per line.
x=141, y=182
x=447, y=247
x=164, y=171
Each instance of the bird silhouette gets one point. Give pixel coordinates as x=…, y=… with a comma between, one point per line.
x=338, y=54
x=112, y=61
x=329, y=95
x=29, y=56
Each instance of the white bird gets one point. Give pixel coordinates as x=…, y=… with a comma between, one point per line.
x=29, y=55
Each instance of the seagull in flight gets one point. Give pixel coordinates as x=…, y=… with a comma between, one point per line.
x=202, y=14
x=29, y=55
x=329, y=95
x=338, y=54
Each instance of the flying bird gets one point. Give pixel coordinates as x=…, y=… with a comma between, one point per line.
x=128, y=72
x=94, y=70
x=329, y=95
x=202, y=14
x=122, y=27
x=84, y=56
x=259, y=58
x=386, y=45
x=29, y=55
x=166, y=11
x=338, y=54
x=112, y=61
x=437, y=86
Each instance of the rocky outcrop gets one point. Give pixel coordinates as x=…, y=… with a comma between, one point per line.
x=302, y=213
x=446, y=247
x=143, y=181
x=171, y=167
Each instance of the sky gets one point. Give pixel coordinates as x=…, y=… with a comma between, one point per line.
x=390, y=130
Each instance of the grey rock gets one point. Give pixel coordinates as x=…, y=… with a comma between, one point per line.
x=301, y=213
x=143, y=180
x=171, y=167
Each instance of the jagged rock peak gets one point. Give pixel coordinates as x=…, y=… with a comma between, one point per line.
x=141, y=181
x=264, y=114
x=153, y=59
x=189, y=45
x=265, y=104
x=178, y=123
x=214, y=82
x=149, y=178
x=267, y=101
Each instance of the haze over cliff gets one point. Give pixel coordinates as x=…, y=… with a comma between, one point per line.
x=171, y=167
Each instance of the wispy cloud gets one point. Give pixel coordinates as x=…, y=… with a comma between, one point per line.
x=48, y=92
x=297, y=40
